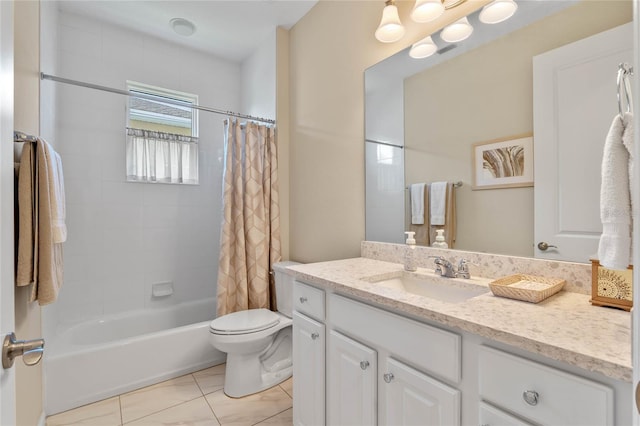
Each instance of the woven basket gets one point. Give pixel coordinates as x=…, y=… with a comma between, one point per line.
x=529, y=288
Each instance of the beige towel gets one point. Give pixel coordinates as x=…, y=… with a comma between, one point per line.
x=426, y=234
x=38, y=188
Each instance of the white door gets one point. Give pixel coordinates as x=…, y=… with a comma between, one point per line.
x=7, y=377
x=308, y=371
x=351, y=388
x=413, y=398
x=574, y=104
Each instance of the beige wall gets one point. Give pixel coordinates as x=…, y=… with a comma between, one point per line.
x=282, y=133
x=26, y=119
x=483, y=95
x=330, y=49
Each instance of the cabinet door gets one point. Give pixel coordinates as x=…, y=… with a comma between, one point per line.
x=308, y=371
x=351, y=382
x=413, y=398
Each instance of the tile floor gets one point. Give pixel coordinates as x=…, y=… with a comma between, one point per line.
x=194, y=399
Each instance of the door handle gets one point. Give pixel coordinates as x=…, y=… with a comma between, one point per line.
x=544, y=246
x=30, y=350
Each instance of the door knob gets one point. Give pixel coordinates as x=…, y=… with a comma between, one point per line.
x=544, y=246
x=30, y=350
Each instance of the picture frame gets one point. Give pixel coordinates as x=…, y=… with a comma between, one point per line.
x=503, y=163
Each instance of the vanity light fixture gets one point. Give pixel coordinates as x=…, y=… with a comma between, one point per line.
x=458, y=31
x=427, y=10
x=423, y=48
x=498, y=11
x=390, y=28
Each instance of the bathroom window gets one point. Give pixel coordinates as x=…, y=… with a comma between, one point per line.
x=162, y=136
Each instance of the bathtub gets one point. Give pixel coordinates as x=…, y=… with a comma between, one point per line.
x=98, y=359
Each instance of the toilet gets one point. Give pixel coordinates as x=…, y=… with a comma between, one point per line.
x=257, y=342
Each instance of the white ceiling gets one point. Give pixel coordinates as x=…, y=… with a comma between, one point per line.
x=229, y=29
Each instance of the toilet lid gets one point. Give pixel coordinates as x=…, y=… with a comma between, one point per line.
x=241, y=322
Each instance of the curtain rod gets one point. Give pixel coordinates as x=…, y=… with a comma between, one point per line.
x=44, y=76
x=384, y=143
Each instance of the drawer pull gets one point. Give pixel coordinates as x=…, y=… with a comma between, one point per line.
x=364, y=364
x=388, y=377
x=314, y=336
x=303, y=299
x=530, y=397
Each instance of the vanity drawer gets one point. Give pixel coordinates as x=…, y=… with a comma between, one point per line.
x=542, y=394
x=429, y=348
x=308, y=300
x=491, y=416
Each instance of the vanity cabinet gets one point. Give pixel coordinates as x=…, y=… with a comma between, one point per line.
x=370, y=380
x=309, y=355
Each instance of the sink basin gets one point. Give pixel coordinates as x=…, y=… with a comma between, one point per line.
x=451, y=290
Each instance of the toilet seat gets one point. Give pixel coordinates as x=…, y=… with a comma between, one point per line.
x=242, y=322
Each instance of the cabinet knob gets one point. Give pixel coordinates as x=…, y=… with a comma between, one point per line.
x=530, y=397
x=364, y=364
x=314, y=336
x=303, y=299
x=388, y=377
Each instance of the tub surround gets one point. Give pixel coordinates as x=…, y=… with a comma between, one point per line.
x=565, y=327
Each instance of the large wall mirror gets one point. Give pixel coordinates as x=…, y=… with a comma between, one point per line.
x=423, y=116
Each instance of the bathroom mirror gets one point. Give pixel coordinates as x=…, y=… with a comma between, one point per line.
x=424, y=115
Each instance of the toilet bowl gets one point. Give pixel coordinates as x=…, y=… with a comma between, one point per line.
x=258, y=342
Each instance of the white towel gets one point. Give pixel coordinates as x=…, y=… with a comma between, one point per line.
x=616, y=200
x=438, y=202
x=56, y=189
x=417, y=203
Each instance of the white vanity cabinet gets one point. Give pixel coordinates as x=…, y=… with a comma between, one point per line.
x=369, y=379
x=309, y=355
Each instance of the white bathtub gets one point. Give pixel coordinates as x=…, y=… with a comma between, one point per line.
x=102, y=358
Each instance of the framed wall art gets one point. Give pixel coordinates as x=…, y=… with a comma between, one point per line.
x=503, y=163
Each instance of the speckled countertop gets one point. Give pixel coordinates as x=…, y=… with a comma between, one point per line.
x=564, y=327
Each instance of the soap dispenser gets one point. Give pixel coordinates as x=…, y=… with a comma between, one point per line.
x=410, y=253
x=440, y=241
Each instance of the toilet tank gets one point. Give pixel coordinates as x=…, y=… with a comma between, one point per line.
x=284, y=287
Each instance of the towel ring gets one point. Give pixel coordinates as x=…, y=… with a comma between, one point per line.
x=624, y=70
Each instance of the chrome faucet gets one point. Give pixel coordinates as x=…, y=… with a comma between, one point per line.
x=444, y=268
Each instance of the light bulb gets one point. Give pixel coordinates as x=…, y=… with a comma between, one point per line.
x=498, y=11
x=458, y=31
x=427, y=10
x=390, y=28
x=423, y=48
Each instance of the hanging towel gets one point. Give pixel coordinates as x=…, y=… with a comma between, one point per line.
x=438, y=202
x=417, y=203
x=616, y=199
x=56, y=182
x=422, y=230
x=40, y=194
x=450, y=218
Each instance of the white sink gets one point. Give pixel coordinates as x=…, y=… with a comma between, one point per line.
x=451, y=290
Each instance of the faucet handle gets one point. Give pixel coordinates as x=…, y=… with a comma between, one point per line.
x=463, y=265
x=438, y=269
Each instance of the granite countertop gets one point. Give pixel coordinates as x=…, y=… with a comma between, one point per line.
x=564, y=327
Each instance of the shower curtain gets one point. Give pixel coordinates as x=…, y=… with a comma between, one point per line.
x=250, y=232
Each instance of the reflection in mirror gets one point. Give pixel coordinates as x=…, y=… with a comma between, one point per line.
x=431, y=111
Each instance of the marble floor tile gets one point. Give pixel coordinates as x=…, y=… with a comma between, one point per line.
x=193, y=413
x=287, y=386
x=251, y=409
x=149, y=400
x=211, y=379
x=101, y=413
x=283, y=419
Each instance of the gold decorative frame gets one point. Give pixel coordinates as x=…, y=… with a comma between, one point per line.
x=490, y=172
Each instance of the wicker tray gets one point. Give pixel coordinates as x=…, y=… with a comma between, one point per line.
x=529, y=288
